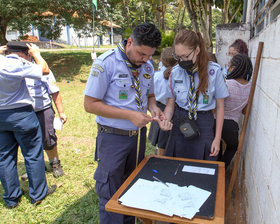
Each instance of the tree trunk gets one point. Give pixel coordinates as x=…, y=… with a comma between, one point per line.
x=210, y=28
x=182, y=20
x=225, y=13
x=204, y=18
x=3, y=29
x=127, y=13
x=163, y=11
x=177, y=28
x=192, y=14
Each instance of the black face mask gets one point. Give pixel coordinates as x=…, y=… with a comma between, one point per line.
x=187, y=65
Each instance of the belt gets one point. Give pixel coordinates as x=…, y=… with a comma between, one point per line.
x=198, y=112
x=116, y=131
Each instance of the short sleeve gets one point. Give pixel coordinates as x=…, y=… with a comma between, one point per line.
x=221, y=88
x=50, y=82
x=18, y=67
x=98, y=80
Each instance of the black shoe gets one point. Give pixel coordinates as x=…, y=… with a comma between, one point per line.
x=56, y=168
x=49, y=191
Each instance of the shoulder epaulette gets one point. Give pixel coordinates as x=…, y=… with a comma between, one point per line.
x=103, y=56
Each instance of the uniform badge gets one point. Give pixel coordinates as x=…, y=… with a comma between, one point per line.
x=148, y=68
x=123, y=95
x=212, y=72
x=147, y=93
x=95, y=73
x=178, y=81
x=98, y=67
x=205, y=99
x=147, y=76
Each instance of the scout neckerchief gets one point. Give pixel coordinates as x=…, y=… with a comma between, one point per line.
x=192, y=99
x=135, y=75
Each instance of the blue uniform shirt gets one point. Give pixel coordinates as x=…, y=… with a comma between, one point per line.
x=13, y=90
x=110, y=80
x=40, y=91
x=160, y=86
x=181, y=84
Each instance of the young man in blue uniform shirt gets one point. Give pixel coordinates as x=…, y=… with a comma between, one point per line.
x=19, y=125
x=43, y=91
x=114, y=95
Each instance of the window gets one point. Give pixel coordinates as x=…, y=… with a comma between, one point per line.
x=266, y=11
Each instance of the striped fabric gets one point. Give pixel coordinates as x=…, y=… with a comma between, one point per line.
x=135, y=74
x=192, y=99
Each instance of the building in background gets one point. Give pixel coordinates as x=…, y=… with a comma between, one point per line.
x=261, y=149
x=73, y=38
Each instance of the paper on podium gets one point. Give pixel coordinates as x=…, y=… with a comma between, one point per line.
x=172, y=200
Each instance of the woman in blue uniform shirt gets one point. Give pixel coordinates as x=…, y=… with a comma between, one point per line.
x=196, y=88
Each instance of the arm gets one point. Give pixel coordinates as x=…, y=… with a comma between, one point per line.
x=153, y=108
x=96, y=106
x=165, y=124
x=215, y=148
x=35, y=53
x=58, y=104
x=169, y=109
x=3, y=49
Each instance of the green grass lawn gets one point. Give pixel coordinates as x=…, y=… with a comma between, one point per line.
x=74, y=200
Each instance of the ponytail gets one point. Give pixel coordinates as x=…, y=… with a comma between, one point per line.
x=202, y=62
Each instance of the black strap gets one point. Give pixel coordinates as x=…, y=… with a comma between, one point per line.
x=116, y=131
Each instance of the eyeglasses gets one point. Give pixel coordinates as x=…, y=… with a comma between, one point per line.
x=182, y=58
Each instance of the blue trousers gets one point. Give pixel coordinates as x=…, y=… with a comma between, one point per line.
x=116, y=156
x=20, y=127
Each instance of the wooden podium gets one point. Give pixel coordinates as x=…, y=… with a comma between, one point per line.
x=149, y=216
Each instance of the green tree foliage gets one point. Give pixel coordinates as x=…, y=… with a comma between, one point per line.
x=50, y=15
x=168, y=15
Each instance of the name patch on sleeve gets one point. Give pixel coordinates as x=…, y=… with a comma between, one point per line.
x=98, y=67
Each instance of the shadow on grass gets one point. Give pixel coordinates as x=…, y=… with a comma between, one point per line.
x=67, y=65
x=84, y=210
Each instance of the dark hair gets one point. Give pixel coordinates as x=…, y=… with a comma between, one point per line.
x=243, y=67
x=146, y=34
x=168, y=61
x=240, y=46
x=192, y=40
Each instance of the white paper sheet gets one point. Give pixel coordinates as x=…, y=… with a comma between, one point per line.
x=201, y=170
x=172, y=200
x=57, y=123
